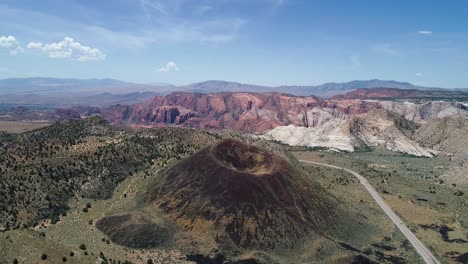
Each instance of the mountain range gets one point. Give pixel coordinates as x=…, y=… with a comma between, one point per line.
x=396, y=93
x=323, y=90
x=48, y=86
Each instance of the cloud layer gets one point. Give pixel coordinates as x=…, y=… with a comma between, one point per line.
x=68, y=49
x=170, y=66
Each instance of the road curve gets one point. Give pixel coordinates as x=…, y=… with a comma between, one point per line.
x=425, y=254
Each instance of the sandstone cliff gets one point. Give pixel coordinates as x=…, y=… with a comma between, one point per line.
x=347, y=125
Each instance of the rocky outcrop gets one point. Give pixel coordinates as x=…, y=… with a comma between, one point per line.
x=425, y=111
x=350, y=133
x=240, y=111
x=252, y=112
x=448, y=135
x=383, y=128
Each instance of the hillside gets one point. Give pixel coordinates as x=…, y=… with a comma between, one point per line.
x=448, y=135
x=85, y=158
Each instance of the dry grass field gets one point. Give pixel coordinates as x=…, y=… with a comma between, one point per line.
x=413, y=187
x=19, y=126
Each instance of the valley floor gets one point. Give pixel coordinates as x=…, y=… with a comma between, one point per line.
x=21, y=126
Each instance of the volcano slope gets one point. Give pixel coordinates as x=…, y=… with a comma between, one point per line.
x=249, y=197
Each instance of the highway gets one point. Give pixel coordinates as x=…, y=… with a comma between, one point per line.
x=425, y=254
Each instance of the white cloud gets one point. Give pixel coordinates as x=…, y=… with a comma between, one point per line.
x=10, y=42
x=34, y=45
x=170, y=66
x=419, y=74
x=68, y=49
x=425, y=32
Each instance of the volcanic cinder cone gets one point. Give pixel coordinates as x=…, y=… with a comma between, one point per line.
x=252, y=197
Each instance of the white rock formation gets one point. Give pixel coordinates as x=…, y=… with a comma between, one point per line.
x=370, y=129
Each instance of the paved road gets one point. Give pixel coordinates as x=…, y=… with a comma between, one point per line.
x=425, y=254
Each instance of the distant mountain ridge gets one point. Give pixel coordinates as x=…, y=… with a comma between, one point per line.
x=324, y=90
x=42, y=85
x=52, y=101
x=397, y=93
x=43, y=92
x=46, y=81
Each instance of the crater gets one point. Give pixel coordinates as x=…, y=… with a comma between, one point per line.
x=242, y=157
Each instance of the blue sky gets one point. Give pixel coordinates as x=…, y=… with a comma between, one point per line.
x=270, y=42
